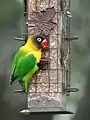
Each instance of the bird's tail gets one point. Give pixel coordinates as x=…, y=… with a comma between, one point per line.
x=12, y=80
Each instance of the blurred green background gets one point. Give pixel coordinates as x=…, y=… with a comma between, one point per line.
x=11, y=25
x=10, y=13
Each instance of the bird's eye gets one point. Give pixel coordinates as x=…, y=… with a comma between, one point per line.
x=39, y=39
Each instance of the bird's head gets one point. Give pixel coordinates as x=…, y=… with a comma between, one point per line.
x=37, y=41
x=40, y=41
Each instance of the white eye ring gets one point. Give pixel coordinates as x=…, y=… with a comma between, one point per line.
x=39, y=39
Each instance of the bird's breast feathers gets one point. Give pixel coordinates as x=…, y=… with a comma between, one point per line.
x=36, y=53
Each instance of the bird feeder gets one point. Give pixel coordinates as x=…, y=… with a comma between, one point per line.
x=51, y=84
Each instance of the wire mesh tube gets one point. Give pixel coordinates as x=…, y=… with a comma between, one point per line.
x=45, y=91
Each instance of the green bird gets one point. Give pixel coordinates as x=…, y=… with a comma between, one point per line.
x=25, y=62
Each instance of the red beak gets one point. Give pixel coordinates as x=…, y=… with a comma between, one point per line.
x=44, y=43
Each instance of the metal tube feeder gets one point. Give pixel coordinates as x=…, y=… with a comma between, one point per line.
x=51, y=84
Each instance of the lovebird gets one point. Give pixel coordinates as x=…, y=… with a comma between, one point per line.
x=25, y=63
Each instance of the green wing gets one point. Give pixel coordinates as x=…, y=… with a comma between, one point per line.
x=24, y=66
x=18, y=55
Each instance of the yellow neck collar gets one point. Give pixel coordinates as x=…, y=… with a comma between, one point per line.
x=31, y=44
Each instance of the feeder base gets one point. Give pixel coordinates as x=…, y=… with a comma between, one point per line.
x=45, y=106
x=32, y=111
